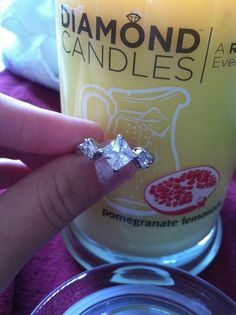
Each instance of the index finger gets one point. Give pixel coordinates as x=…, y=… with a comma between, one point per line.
x=26, y=128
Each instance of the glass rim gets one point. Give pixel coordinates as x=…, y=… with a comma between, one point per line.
x=168, y=283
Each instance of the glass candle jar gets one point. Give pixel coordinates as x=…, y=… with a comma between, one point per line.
x=161, y=73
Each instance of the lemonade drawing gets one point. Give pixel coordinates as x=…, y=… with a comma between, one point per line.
x=145, y=117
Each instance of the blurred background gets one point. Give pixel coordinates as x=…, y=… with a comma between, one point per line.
x=4, y=34
x=28, y=40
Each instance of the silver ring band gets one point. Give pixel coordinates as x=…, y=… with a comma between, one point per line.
x=117, y=153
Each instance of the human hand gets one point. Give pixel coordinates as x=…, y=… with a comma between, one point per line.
x=53, y=185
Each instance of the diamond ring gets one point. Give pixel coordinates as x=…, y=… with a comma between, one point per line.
x=117, y=153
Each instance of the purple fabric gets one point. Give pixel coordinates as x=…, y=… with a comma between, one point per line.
x=52, y=265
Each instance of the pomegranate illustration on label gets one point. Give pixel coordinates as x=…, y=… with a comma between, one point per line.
x=182, y=191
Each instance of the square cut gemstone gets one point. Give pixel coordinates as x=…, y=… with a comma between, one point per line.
x=118, y=153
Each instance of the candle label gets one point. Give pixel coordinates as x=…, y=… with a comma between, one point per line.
x=171, y=51
x=153, y=76
x=181, y=41
x=183, y=191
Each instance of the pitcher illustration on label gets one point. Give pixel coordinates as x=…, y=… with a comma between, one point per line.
x=147, y=117
x=141, y=70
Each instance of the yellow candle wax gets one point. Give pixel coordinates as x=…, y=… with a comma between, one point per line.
x=161, y=73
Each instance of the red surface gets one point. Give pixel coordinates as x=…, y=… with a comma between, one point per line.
x=52, y=265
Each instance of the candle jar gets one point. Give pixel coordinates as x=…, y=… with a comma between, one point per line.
x=161, y=73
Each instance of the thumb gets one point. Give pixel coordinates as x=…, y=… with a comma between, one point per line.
x=42, y=203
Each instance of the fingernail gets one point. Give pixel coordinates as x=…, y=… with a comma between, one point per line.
x=110, y=179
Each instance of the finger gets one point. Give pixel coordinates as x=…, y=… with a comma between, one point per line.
x=26, y=128
x=11, y=172
x=41, y=204
x=32, y=160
